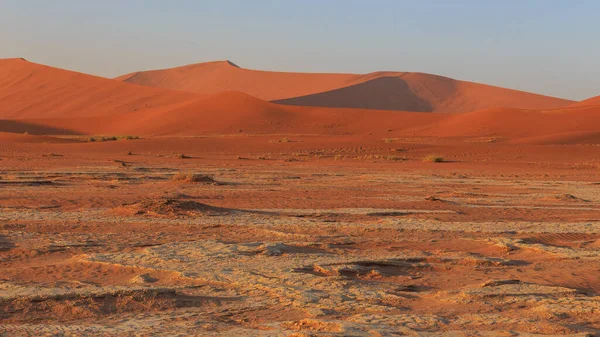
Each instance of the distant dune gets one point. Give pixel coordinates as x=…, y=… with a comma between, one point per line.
x=588, y=102
x=214, y=77
x=234, y=112
x=381, y=90
x=30, y=90
x=550, y=126
x=41, y=100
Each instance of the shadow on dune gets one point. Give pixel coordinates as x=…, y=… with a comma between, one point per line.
x=384, y=93
x=15, y=126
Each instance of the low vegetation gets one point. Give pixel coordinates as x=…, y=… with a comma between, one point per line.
x=111, y=138
x=433, y=158
x=282, y=140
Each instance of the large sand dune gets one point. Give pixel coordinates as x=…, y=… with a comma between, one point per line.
x=48, y=101
x=235, y=112
x=30, y=90
x=381, y=90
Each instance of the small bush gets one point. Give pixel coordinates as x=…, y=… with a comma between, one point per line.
x=432, y=158
x=111, y=138
x=282, y=140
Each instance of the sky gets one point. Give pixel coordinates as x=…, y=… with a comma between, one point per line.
x=543, y=46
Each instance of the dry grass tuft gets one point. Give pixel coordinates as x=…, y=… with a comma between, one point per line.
x=282, y=140
x=433, y=158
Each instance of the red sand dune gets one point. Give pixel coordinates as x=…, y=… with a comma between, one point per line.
x=588, y=102
x=30, y=90
x=233, y=112
x=50, y=101
x=381, y=90
x=552, y=126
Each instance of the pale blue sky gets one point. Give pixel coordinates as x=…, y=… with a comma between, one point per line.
x=544, y=46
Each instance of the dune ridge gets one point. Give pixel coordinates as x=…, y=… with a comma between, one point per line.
x=588, y=102
x=402, y=91
x=42, y=100
x=30, y=90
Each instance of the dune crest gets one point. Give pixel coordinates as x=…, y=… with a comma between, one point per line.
x=402, y=91
x=588, y=102
x=30, y=90
x=43, y=100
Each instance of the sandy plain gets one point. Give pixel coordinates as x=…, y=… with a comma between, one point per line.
x=311, y=236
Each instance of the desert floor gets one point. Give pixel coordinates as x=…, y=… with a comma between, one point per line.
x=299, y=235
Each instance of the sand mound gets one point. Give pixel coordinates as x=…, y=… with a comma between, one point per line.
x=223, y=112
x=489, y=122
x=194, y=178
x=169, y=206
x=571, y=124
x=381, y=90
x=30, y=90
x=563, y=138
